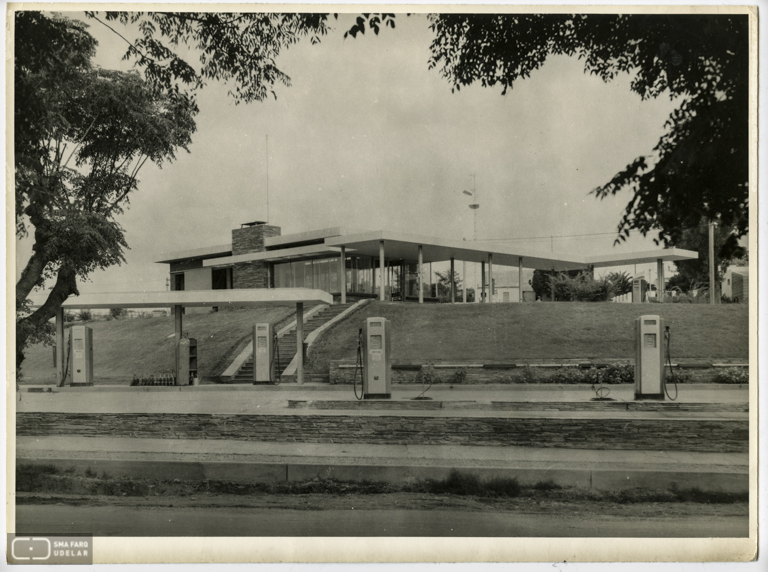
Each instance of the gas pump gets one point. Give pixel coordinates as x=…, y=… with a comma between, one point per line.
x=650, y=336
x=374, y=357
x=263, y=353
x=80, y=356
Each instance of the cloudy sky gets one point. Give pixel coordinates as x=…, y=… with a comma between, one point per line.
x=367, y=136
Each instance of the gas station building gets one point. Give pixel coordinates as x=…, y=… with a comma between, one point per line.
x=367, y=263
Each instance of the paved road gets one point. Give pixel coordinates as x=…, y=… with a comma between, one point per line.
x=122, y=521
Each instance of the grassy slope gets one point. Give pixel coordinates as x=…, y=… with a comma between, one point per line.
x=145, y=345
x=543, y=330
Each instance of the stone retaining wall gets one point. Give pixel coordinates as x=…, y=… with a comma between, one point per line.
x=729, y=436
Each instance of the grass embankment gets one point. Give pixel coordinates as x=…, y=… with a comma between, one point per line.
x=559, y=330
x=124, y=347
x=49, y=479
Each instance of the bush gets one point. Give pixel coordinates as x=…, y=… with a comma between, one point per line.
x=69, y=317
x=674, y=376
x=613, y=374
x=429, y=375
x=529, y=375
x=117, y=313
x=733, y=375
x=584, y=288
x=85, y=315
x=460, y=376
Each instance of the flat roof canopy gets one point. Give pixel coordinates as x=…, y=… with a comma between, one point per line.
x=406, y=246
x=192, y=298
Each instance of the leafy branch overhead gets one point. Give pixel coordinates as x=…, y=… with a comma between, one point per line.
x=699, y=168
x=237, y=48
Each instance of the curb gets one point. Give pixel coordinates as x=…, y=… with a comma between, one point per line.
x=590, y=479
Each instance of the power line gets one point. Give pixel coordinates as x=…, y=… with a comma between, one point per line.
x=550, y=236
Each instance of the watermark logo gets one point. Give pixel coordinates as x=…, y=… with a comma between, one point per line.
x=49, y=549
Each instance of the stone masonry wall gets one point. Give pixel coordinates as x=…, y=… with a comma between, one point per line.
x=617, y=433
x=251, y=239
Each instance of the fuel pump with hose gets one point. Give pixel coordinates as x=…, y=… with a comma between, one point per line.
x=373, y=360
x=652, y=338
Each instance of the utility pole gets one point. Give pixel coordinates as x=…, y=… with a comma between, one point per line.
x=267, y=161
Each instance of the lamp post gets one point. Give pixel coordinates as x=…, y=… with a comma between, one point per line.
x=475, y=205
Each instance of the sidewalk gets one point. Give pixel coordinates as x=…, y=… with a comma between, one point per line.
x=246, y=461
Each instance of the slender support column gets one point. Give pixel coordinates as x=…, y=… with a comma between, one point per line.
x=490, y=278
x=453, y=284
x=178, y=323
x=520, y=279
x=60, y=349
x=343, y=274
x=464, y=278
x=421, y=275
x=299, y=343
x=660, y=280
x=382, y=270
x=373, y=277
x=712, y=287
x=482, y=281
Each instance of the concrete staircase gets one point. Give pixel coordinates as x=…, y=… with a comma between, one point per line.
x=287, y=345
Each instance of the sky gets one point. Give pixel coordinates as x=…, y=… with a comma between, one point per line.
x=368, y=136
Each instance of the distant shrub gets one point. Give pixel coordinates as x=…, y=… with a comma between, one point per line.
x=733, y=375
x=69, y=317
x=584, y=288
x=117, y=313
x=85, y=315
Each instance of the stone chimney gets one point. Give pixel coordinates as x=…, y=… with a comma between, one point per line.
x=250, y=238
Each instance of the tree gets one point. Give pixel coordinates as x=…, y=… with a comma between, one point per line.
x=444, y=284
x=699, y=168
x=620, y=281
x=237, y=47
x=694, y=274
x=82, y=136
x=542, y=284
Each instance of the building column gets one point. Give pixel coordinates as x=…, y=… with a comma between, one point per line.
x=660, y=280
x=552, y=285
x=343, y=274
x=60, y=349
x=482, y=281
x=299, y=343
x=712, y=286
x=490, y=278
x=421, y=275
x=520, y=279
x=453, y=284
x=382, y=270
x=177, y=329
x=464, y=278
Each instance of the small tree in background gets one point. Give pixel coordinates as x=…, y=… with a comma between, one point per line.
x=621, y=282
x=583, y=288
x=444, y=284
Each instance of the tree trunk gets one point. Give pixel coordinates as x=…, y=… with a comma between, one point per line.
x=66, y=285
x=30, y=276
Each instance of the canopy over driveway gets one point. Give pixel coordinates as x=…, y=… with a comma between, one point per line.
x=192, y=298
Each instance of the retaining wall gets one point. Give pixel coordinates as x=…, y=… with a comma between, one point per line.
x=708, y=435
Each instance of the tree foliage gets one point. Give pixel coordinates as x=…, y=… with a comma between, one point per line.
x=240, y=48
x=699, y=167
x=621, y=282
x=694, y=274
x=82, y=136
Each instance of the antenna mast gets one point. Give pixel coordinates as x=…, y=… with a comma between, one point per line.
x=267, y=161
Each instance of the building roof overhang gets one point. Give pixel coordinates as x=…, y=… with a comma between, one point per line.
x=302, y=252
x=195, y=298
x=204, y=252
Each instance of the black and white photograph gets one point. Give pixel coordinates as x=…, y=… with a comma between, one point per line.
x=433, y=284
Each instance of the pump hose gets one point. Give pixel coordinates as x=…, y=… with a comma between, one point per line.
x=275, y=352
x=359, y=367
x=66, y=365
x=668, y=337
